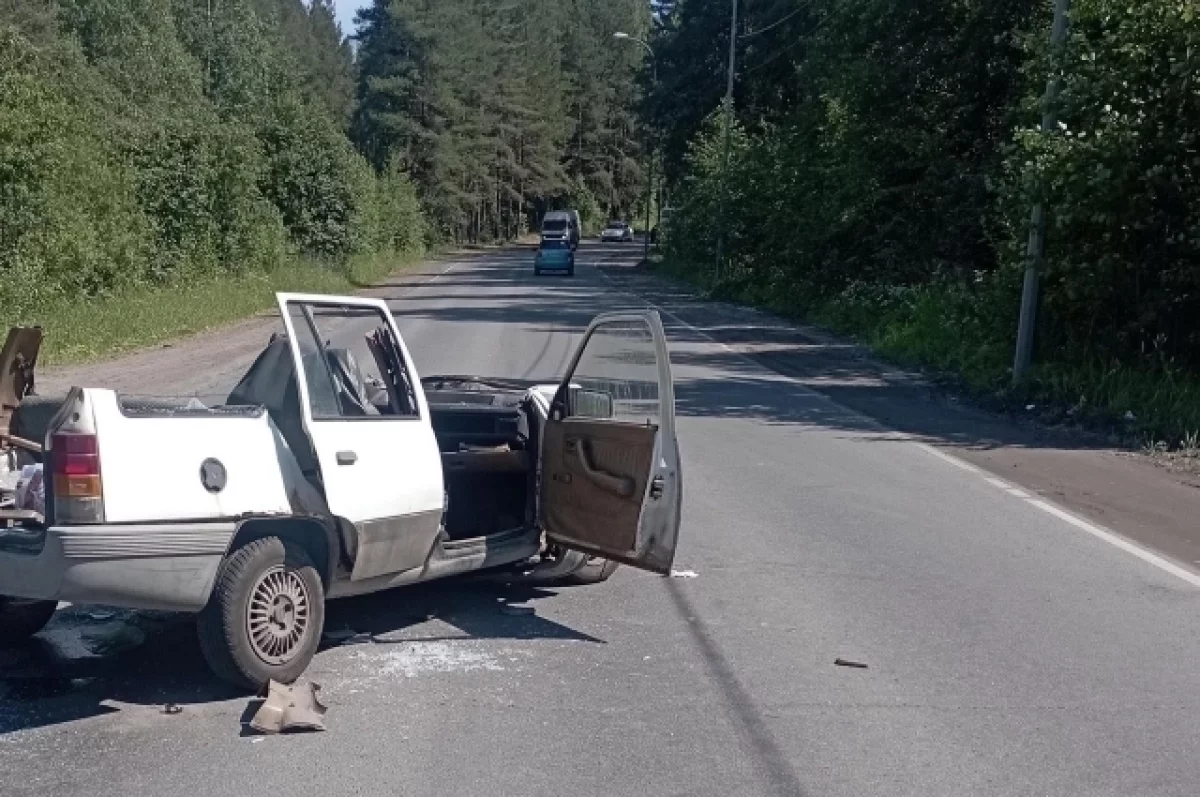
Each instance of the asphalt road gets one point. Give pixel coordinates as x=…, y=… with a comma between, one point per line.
x=1009, y=652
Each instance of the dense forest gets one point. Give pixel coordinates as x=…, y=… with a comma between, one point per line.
x=157, y=142
x=502, y=109
x=885, y=158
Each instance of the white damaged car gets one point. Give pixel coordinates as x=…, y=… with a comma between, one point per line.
x=331, y=470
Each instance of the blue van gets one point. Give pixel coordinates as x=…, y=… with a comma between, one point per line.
x=554, y=255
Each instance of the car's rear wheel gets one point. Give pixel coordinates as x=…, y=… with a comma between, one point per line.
x=21, y=619
x=264, y=619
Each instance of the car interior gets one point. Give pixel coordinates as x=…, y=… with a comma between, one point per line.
x=485, y=438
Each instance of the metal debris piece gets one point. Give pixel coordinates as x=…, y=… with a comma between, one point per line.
x=516, y=611
x=172, y=708
x=848, y=663
x=290, y=708
x=684, y=574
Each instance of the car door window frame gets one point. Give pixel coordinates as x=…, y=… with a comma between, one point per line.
x=560, y=406
x=393, y=353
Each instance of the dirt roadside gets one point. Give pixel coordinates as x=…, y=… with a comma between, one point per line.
x=208, y=364
x=1156, y=507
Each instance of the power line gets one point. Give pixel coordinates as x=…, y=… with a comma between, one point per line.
x=802, y=39
x=774, y=24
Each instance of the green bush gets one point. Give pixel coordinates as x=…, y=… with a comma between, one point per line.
x=69, y=217
x=149, y=143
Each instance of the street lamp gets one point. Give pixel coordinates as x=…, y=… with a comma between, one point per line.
x=653, y=64
x=650, y=149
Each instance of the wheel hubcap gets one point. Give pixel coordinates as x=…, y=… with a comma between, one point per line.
x=277, y=616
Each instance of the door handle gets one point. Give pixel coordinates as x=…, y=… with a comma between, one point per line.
x=621, y=485
x=346, y=457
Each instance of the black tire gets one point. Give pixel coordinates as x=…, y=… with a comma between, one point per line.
x=571, y=271
x=21, y=619
x=537, y=272
x=594, y=571
x=224, y=624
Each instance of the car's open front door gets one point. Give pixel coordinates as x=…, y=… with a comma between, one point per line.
x=611, y=483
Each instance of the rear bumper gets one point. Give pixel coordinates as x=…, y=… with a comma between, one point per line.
x=161, y=566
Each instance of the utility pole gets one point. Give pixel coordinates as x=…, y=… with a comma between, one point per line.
x=1037, y=221
x=650, y=167
x=728, y=103
x=649, y=199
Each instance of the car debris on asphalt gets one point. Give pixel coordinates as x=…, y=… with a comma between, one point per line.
x=850, y=663
x=684, y=574
x=294, y=707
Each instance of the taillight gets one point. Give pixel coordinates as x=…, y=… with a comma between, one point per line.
x=74, y=459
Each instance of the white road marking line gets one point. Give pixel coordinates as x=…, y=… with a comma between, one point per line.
x=955, y=461
x=1118, y=541
x=1111, y=537
x=440, y=274
x=1006, y=487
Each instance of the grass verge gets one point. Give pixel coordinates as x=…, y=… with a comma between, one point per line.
x=963, y=339
x=82, y=330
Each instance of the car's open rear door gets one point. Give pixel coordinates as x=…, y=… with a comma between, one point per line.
x=611, y=483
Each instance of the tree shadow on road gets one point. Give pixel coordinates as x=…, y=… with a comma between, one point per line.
x=767, y=363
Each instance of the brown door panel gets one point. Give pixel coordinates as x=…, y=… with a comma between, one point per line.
x=593, y=481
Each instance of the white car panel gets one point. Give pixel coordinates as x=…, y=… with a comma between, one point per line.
x=150, y=466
